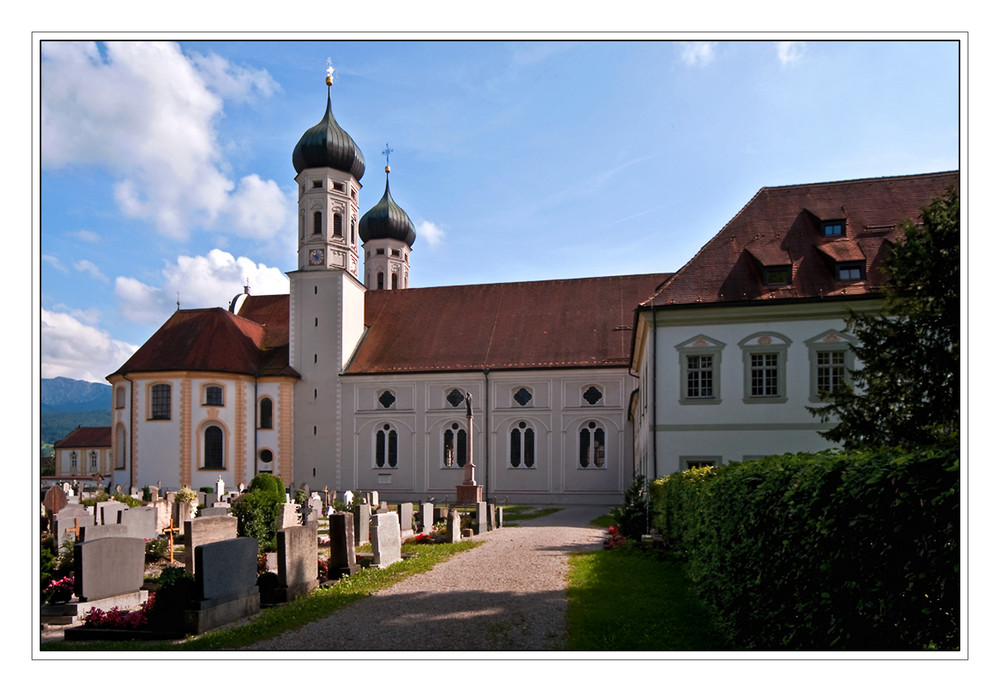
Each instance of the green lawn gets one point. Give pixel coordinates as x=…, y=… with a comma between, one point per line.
x=634, y=599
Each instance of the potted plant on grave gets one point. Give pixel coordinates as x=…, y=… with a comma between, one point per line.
x=186, y=500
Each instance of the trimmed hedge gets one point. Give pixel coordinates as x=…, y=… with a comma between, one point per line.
x=830, y=551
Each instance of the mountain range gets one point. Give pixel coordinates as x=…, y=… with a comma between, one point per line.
x=63, y=395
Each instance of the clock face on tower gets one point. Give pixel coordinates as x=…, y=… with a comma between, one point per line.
x=315, y=257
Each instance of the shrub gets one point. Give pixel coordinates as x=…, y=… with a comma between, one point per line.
x=632, y=516
x=257, y=511
x=269, y=484
x=836, y=550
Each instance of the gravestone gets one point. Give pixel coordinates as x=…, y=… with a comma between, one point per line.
x=220, y=487
x=440, y=513
x=289, y=515
x=348, y=498
x=109, y=566
x=225, y=584
x=72, y=517
x=426, y=517
x=342, y=558
x=213, y=511
x=96, y=532
x=372, y=497
x=140, y=521
x=203, y=531
x=107, y=512
x=298, y=571
x=453, y=527
x=499, y=517
x=482, y=519
x=386, y=543
x=362, y=519
x=405, y=520
x=55, y=500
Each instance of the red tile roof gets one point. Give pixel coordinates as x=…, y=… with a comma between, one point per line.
x=86, y=438
x=541, y=324
x=216, y=340
x=782, y=222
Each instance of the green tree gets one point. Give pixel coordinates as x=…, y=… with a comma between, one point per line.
x=907, y=391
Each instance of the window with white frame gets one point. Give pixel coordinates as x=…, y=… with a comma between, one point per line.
x=830, y=363
x=72, y=459
x=700, y=359
x=93, y=460
x=764, y=358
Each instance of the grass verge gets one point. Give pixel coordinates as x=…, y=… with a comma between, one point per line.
x=635, y=599
x=276, y=620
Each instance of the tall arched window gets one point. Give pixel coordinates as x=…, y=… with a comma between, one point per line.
x=381, y=281
x=522, y=446
x=213, y=448
x=159, y=402
x=592, y=440
x=456, y=446
x=266, y=413
x=120, y=442
x=386, y=447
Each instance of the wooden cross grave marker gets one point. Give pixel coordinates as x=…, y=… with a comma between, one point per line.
x=170, y=532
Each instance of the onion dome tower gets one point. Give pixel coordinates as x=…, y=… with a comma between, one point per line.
x=328, y=166
x=388, y=234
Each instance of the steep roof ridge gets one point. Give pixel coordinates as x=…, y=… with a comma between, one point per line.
x=703, y=249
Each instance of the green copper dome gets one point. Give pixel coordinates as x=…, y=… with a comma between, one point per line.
x=386, y=220
x=327, y=145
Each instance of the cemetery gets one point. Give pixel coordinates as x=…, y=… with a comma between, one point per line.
x=148, y=565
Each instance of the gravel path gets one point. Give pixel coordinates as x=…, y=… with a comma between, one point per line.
x=506, y=594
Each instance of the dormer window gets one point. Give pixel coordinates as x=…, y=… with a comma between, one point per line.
x=834, y=229
x=777, y=275
x=850, y=271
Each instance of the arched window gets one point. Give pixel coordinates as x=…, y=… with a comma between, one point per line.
x=317, y=222
x=72, y=459
x=213, y=448
x=120, y=441
x=213, y=395
x=381, y=281
x=395, y=281
x=386, y=445
x=120, y=397
x=159, y=402
x=93, y=460
x=266, y=413
x=592, y=439
x=456, y=446
x=522, y=446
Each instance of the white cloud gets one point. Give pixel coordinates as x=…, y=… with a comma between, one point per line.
x=89, y=267
x=206, y=281
x=431, y=233
x=790, y=51
x=698, y=52
x=54, y=263
x=76, y=350
x=258, y=208
x=147, y=113
x=87, y=236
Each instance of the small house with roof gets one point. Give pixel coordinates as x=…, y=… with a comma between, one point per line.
x=86, y=451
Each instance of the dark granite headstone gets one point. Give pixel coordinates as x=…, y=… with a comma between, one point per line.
x=362, y=518
x=140, y=521
x=202, y=531
x=225, y=568
x=298, y=562
x=109, y=566
x=342, y=558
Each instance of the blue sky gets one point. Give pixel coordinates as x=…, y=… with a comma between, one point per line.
x=166, y=167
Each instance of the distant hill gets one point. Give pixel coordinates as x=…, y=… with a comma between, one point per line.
x=68, y=404
x=62, y=395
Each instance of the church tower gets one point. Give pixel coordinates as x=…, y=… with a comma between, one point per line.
x=387, y=233
x=326, y=301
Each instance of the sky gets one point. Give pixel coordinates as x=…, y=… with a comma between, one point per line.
x=166, y=175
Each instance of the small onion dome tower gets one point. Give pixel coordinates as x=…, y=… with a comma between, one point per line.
x=387, y=235
x=328, y=166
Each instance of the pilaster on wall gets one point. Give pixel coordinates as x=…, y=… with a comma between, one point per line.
x=286, y=469
x=240, y=451
x=185, y=432
x=133, y=436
